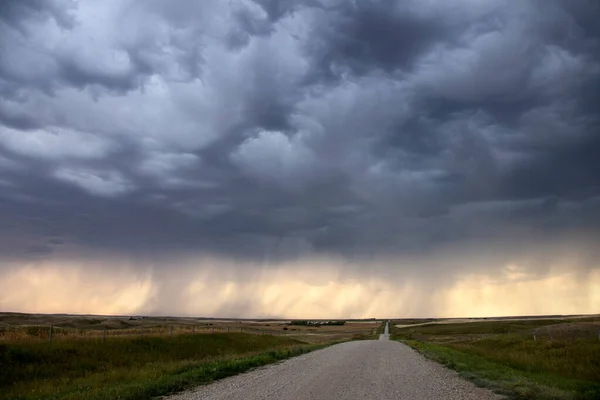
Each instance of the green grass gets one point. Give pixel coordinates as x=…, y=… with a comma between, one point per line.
x=579, y=359
x=133, y=368
x=488, y=327
x=514, y=365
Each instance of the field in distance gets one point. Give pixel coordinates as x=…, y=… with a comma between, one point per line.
x=18, y=326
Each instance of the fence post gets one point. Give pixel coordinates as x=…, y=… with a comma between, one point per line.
x=171, y=330
x=549, y=333
x=212, y=330
x=534, y=338
x=193, y=329
x=50, y=334
x=104, y=335
x=241, y=329
x=228, y=331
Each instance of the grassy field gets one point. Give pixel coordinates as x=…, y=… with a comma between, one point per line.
x=133, y=368
x=524, y=359
x=142, y=358
x=414, y=321
x=25, y=327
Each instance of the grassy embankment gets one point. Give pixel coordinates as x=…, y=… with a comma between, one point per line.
x=562, y=362
x=133, y=367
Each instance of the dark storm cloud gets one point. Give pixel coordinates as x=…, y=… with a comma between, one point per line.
x=17, y=13
x=296, y=127
x=370, y=35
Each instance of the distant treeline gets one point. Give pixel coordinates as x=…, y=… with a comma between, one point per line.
x=304, y=322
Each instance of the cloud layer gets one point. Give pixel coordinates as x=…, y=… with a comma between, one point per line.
x=389, y=134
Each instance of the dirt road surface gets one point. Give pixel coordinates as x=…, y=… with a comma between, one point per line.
x=368, y=369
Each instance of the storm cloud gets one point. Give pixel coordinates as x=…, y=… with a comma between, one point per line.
x=395, y=141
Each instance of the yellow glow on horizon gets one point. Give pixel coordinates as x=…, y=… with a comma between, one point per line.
x=316, y=289
x=560, y=293
x=72, y=290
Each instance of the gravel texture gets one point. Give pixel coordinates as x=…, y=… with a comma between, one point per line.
x=369, y=369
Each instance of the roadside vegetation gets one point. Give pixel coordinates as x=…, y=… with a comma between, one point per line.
x=522, y=359
x=380, y=329
x=124, y=357
x=133, y=368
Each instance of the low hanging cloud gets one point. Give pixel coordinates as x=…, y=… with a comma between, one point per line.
x=400, y=146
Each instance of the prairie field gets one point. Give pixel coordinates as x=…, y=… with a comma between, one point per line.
x=132, y=367
x=25, y=327
x=106, y=357
x=533, y=358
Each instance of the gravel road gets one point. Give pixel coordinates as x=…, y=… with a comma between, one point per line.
x=369, y=369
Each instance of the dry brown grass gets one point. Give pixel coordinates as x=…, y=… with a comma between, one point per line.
x=27, y=327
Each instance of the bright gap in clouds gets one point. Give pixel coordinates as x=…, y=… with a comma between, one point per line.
x=317, y=289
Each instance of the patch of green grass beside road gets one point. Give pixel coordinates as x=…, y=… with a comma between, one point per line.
x=380, y=330
x=517, y=365
x=133, y=368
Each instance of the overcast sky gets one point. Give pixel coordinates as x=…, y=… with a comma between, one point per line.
x=300, y=157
